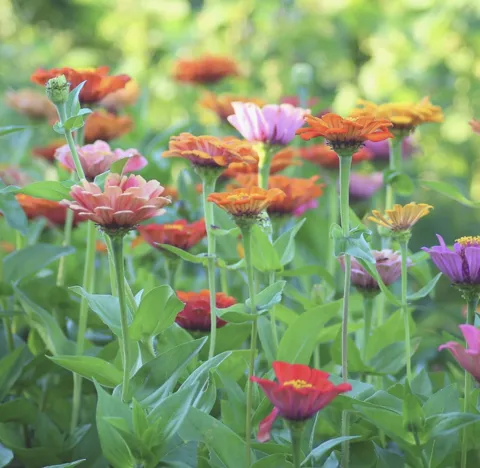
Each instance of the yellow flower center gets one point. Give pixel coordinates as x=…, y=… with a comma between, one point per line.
x=298, y=384
x=174, y=227
x=467, y=241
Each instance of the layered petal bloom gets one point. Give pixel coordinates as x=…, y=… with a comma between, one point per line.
x=180, y=233
x=48, y=152
x=475, y=124
x=246, y=202
x=389, y=267
x=196, y=314
x=381, y=149
x=364, y=186
x=122, y=98
x=323, y=156
x=345, y=134
x=98, y=157
x=462, y=265
x=101, y=125
x=272, y=124
x=125, y=202
x=31, y=103
x=98, y=82
x=401, y=218
x=221, y=104
x=205, y=70
x=468, y=358
x=298, y=395
x=209, y=151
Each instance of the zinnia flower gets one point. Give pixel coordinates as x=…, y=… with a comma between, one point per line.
x=401, y=218
x=98, y=82
x=98, y=158
x=364, y=186
x=345, y=134
x=298, y=395
x=469, y=359
x=381, y=149
x=125, y=202
x=48, y=152
x=462, y=265
x=12, y=175
x=31, y=103
x=122, y=98
x=475, y=124
x=180, y=234
x=211, y=152
x=205, y=70
x=389, y=267
x=323, y=156
x=271, y=124
x=196, y=314
x=101, y=125
x=221, y=104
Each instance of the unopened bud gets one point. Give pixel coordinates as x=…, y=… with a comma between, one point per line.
x=302, y=74
x=58, y=89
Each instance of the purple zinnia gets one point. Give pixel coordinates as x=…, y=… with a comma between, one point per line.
x=364, y=186
x=381, y=150
x=272, y=124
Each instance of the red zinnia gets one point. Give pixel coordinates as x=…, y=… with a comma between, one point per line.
x=299, y=393
x=196, y=313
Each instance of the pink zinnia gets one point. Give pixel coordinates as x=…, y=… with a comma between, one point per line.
x=364, y=186
x=272, y=124
x=98, y=157
x=469, y=358
x=125, y=202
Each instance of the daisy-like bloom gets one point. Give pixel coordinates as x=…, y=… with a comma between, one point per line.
x=286, y=157
x=475, y=124
x=298, y=395
x=180, y=233
x=125, y=202
x=98, y=82
x=401, y=218
x=381, y=149
x=345, y=134
x=54, y=212
x=12, y=175
x=389, y=267
x=48, y=152
x=364, y=186
x=272, y=124
x=122, y=98
x=196, y=314
x=469, y=359
x=205, y=70
x=98, y=157
x=101, y=125
x=323, y=156
x=462, y=265
x=211, y=152
x=246, y=203
x=30, y=103
x=221, y=104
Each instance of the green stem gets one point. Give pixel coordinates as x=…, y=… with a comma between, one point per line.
x=111, y=265
x=265, y=161
x=296, y=430
x=273, y=322
x=367, y=316
x=224, y=280
x=80, y=136
x=7, y=325
x=395, y=164
x=406, y=318
x=117, y=244
x=420, y=450
x=166, y=268
x=332, y=204
x=471, y=310
x=67, y=237
x=247, y=244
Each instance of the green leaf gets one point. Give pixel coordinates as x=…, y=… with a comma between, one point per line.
x=156, y=312
x=355, y=361
x=448, y=190
x=267, y=298
x=92, y=368
x=6, y=456
x=425, y=290
x=323, y=449
x=237, y=314
x=11, y=367
x=264, y=254
x=11, y=129
x=276, y=460
x=72, y=106
x=387, y=458
x=285, y=244
x=413, y=417
x=49, y=190
x=225, y=232
x=67, y=465
x=184, y=255
x=13, y=213
x=449, y=423
x=402, y=183
x=118, y=166
x=355, y=244
x=77, y=121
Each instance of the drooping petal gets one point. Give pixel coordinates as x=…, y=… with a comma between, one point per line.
x=266, y=426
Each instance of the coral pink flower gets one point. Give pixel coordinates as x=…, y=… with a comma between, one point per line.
x=125, y=202
x=98, y=158
x=469, y=358
x=272, y=124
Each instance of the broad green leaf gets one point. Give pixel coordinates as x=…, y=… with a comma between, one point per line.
x=448, y=190
x=446, y=400
x=49, y=190
x=277, y=460
x=425, y=290
x=13, y=213
x=355, y=362
x=402, y=183
x=449, y=423
x=118, y=166
x=225, y=232
x=72, y=106
x=323, y=449
x=413, y=417
x=264, y=255
x=184, y=255
x=77, y=121
x=267, y=298
x=388, y=459
x=285, y=244
x=354, y=244
x=10, y=129
x=11, y=367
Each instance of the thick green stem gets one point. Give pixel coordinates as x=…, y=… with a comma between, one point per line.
x=296, y=430
x=117, y=244
x=247, y=244
x=471, y=310
x=224, y=280
x=406, y=318
x=367, y=327
x=332, y=204
x=395, y=164
x=425, y=463
x=67, y=237
x=265, y=161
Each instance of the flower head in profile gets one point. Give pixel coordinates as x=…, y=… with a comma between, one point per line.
x=196, y=314
x=211, y=152
x=98, y=158
x=364, y=186
x=298, y=395
x=401, y=218
x=205, y=70
x=221, y=104
x=381, y=149
x=125, y=202
x=469, y=359
x=475, y=124
x=101, y=125
x=345, y=134
x=98, y=82
x=180, y=233
x=48, y=152
x=272, y=124
x=323, y=156
x=31, y=103
x=122, y=98
x=388, y=264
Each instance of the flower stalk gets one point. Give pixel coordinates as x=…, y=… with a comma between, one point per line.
x=296, y=431
x=368, y=306
x=406, y=319
x=395, y=164
x=265, y=153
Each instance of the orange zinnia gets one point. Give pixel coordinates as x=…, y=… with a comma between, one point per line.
x=98, y=82
x=101, y=125
x=324, y=156
x=124, y=97
x=205, y=70
x=31, y=103
x=41, y=208
x=212, y=152
x=221, y=104
x=345, y=134
x=246, y=202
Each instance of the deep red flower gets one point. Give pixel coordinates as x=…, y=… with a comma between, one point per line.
x=299, y=393
x=196, y=313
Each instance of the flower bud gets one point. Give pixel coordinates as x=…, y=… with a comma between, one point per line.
x=58, y=89
x=302, y=74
